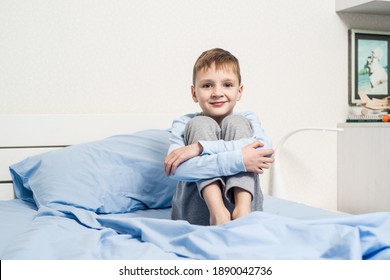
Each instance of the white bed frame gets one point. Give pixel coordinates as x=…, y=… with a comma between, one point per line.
x=26, y=135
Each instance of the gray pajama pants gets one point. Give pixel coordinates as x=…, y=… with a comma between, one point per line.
x=188, y=203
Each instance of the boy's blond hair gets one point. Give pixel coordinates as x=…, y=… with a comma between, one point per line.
x=220, y=58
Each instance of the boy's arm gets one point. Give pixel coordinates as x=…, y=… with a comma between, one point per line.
x=249, y=159
x=184, y=163
x=215, y=147
x=209, y=166
x=177, y=132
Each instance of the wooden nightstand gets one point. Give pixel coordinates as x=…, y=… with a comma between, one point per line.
x=363, y=158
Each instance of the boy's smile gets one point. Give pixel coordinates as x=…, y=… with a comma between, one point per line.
x=216, y=91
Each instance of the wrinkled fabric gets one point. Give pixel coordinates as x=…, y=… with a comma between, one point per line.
x=73, y=233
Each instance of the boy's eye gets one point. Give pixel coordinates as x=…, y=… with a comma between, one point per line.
x=228, y=84
x=206, y=86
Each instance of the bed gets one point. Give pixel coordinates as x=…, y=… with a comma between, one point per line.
x=92, y=187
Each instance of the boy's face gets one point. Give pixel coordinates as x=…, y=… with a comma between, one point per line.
x=216, y=91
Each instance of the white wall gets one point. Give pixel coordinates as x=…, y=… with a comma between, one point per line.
x=80, y=56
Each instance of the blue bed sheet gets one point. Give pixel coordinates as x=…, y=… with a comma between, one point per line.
x=15, y=215
x=73, y=233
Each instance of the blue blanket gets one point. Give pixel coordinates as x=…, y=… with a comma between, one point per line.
x=73, y=233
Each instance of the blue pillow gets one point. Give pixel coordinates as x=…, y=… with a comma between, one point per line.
x=119, y=174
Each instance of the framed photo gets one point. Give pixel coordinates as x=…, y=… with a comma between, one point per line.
x=369, y=59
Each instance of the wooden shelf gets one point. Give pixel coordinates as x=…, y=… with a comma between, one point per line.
x=363, y=7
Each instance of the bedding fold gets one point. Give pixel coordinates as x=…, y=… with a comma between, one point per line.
x=74, y=233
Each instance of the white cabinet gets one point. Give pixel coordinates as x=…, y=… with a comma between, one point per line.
x=363, y=6
x=363, y=158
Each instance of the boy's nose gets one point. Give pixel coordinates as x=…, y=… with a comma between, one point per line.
x=217, y=92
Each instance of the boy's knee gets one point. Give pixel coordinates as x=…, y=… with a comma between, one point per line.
x=236, y=127
x=200, y=122
x=201, y=128
x=235, y=120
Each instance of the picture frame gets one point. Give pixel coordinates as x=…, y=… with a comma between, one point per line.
x=369, y=60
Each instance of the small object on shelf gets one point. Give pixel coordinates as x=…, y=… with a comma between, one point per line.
x=386, y=118
x=382, y=104
x=368, y=118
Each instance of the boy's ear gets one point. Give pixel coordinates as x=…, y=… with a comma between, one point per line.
x=240, y=91
x=193, y=94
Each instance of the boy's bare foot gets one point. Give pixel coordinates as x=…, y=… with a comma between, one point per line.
x=212, y=195
x=222, y=217
x=239, y=212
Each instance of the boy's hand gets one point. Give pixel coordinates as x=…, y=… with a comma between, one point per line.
x=180, y=155
x=255, y=160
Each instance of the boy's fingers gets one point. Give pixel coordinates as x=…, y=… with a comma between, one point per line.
x=171, y=163
x=168, y=165
x=257, y=144
x=167, y=169
x=173, y=168
x=268, y=152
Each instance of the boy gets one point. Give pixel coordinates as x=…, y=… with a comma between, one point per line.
x=214, y=154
